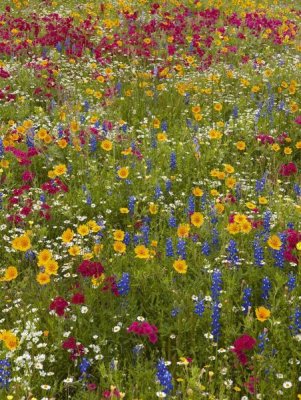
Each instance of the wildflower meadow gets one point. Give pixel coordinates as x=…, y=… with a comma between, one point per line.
x=150, y=199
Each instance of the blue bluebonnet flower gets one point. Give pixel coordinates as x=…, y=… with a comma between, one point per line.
x=191, y=205
x=145, y=233
x=181, y=249
x=158, y=192
x=215, y=324
x=131, y=204
x=246, y=300
x=5, y=373
x=215, y=237
x=292, y=282
x=164, y=126
x=216, y=286
x=123, y=285
x=174, y=312
x=172, y=222
x=262, y=339
x=168, y=185
x=206, y=248
x=233, y=253
x=295, y=327
x=265, y=288
x=83, y=367
x=93, y=143
x=127, y=238
x=169, y=248
x=235, y=112
x=267, y=215
x=173, y=161
x=199, y=307
x=258, y=253
x=164, y=377
x=297, y=189
x=278, y=255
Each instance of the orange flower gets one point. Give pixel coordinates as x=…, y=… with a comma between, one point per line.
x=106, y=145
x=123, y=172
x=21, y=243
x=10, y=274
x=197, y=219
x=180, y=266
x=119, y=247
x=43, y=278
x=274, y=242
x=183, y=230
x=262, y=313
x=141, y=251
x=67, y=235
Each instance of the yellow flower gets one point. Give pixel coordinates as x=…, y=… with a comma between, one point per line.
x=153, y=208
x=21, y=243
x=245, y=227
x=262, y=200
x=298, y=246
x=74, y=250
x=118, y=235
x=83, y=230
x=62, y=143
x=51, y=267
x=180, y=266
x=67, y=235
x=230, y=182
x=233, y=228
x=11, y=341
x=60, y=169
x=197, y=219
x=43, y=278
x=274, y=242
x=162, y=137
x=10, y=274
x=240, y=218
x=106, y=145
x=119, y=247
x=123, y=172
x=141, y=251
x=275, y=147
x=124, y=210
x=43, y=257
x=228, y=168
x=287, y=150
x=214, y=192
x=197, y=192
x=218, y=107
x=219, y=208
x=262, y=314
x=214, y=134
x=241, y=145
x=74, y=126
x=250, y=205
x=183, y=230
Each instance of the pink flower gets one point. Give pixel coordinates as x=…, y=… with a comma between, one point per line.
x=241, y=345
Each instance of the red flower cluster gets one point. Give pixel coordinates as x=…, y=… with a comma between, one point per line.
x=241, y=345
x=288, y=169
x=59, y=304
x=292, y=238
x=144, y=329
x=90, y=268
x=76, y=349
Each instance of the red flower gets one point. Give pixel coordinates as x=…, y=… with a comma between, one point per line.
x=59, y=304
x=78, y=298
x=241, y=345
